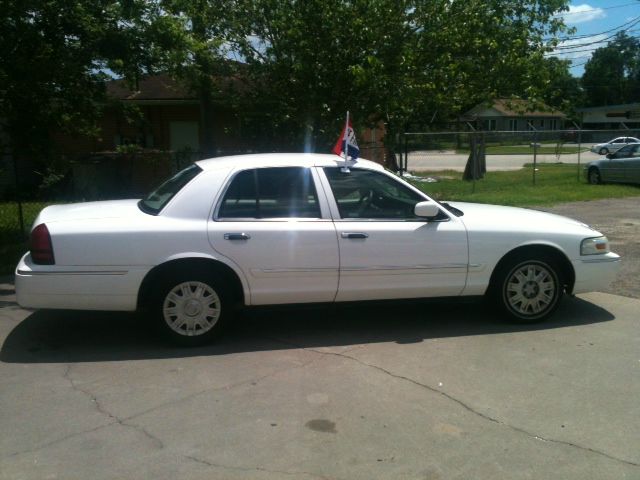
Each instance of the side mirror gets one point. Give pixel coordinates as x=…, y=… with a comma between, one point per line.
x=428, y=209
x=610, y=155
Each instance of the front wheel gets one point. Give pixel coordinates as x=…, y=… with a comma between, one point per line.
x=594, y=176
x=529, y=290
x=191, y=309
x=603, y=151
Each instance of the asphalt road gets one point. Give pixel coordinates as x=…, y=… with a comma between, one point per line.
x=423, y=391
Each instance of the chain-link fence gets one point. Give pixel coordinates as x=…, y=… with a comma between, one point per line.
x=27, y=186
x=506, y=150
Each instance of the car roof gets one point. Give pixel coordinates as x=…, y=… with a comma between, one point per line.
x=284, y=160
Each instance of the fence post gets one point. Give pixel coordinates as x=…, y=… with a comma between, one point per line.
x=579, y=148
x=18, y=196
x=406, y=154
x=535, y=155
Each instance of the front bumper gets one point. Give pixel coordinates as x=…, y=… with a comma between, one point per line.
x=595, y=272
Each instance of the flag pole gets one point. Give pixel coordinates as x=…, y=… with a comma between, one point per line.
x=346, y=138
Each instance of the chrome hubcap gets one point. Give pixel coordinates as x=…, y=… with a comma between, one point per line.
x=191, y=308
x=530, y=290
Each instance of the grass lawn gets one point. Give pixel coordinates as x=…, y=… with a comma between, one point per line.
x=555, y=183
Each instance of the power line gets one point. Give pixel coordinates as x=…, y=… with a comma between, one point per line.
x=576, y=37
x=579, y=47
x=631, y=23
x=595, y=9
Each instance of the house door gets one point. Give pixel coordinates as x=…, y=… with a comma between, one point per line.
x=184, y=136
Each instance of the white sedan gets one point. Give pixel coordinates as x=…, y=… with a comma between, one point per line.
x=299, y=228
x=613, y=145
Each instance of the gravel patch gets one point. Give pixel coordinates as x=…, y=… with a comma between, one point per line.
x=619, y=220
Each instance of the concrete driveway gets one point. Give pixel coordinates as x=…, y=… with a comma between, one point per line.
x=422, y=391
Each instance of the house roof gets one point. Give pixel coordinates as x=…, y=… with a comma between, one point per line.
x=514, y=107
x=163, y=88
x=623, y=106
x=155, y=87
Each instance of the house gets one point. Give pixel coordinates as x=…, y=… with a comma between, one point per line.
x=513, y=115
x=610, y=117
x=167, y=118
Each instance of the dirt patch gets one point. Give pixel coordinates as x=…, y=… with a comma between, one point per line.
x=619, y=220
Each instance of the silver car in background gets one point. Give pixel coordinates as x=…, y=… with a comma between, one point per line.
x=622, y=166
x=613, y=145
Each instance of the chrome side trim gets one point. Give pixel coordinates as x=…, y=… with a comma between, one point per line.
x=296, y=270
x=378, y=268
x=74, y=272
x=601, y=260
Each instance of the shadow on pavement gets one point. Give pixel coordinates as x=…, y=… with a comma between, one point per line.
x=62, y=336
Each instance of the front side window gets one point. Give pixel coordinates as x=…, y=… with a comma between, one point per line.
x=280, y=192
x=156, y=200
x=371, y=195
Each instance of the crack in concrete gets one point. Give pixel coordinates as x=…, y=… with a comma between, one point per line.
x=463, y=404
x=122, y=421
x=258, y=469
x=156, y=442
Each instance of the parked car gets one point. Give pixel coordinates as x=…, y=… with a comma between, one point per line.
x=613, y=145
x=622, y=166
x=299, y=228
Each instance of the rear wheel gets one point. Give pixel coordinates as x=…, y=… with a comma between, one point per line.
x=528, y=290
x=191, y=309
x=594, y=176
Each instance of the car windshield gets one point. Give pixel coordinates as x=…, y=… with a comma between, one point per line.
x=157, y=199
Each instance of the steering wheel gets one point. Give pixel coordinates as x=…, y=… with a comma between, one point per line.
x=365, y=201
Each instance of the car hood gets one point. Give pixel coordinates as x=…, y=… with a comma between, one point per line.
x=499, y=217
x=89, y=211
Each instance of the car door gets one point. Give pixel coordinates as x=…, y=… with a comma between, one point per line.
x=387, y=252
x=614, y=170
x=617, y=143
x=274, y=226
x=631, y=163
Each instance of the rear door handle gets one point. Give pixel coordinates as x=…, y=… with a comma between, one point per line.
x=354, y=235
x=236, y=236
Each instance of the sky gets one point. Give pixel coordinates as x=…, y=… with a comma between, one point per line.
x=595, y=22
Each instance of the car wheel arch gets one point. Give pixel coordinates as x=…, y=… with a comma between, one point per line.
x=190, y=264
x=536, y=250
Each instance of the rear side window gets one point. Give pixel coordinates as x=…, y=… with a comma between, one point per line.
x=156, y=200
x=281, y=192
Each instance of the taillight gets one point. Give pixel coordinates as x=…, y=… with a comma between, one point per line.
x=40, y=246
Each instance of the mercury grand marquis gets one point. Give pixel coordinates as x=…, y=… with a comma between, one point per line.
x=299, y=228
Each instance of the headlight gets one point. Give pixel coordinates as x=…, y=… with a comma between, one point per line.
x=594, y=246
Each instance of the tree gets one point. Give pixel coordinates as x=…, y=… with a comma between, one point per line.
x=562, y=90
x=612, y=74
x=398, y=61
x=54, y=58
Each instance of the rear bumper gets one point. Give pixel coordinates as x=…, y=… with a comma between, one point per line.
x=77, y=288
x=595, y=272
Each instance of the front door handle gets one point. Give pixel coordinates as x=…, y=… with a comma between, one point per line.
x=354, y=235
x=236, y=236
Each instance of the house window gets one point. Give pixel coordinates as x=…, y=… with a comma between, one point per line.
x=541, y=124
x=553, y=124
x=513, y=124
x=491, y=124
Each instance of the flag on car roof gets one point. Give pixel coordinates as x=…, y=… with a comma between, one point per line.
x=347, y=142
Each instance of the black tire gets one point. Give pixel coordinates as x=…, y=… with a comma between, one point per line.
x=603, y=151
x=191, y=309
x=594, y=176
x=528, y=289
